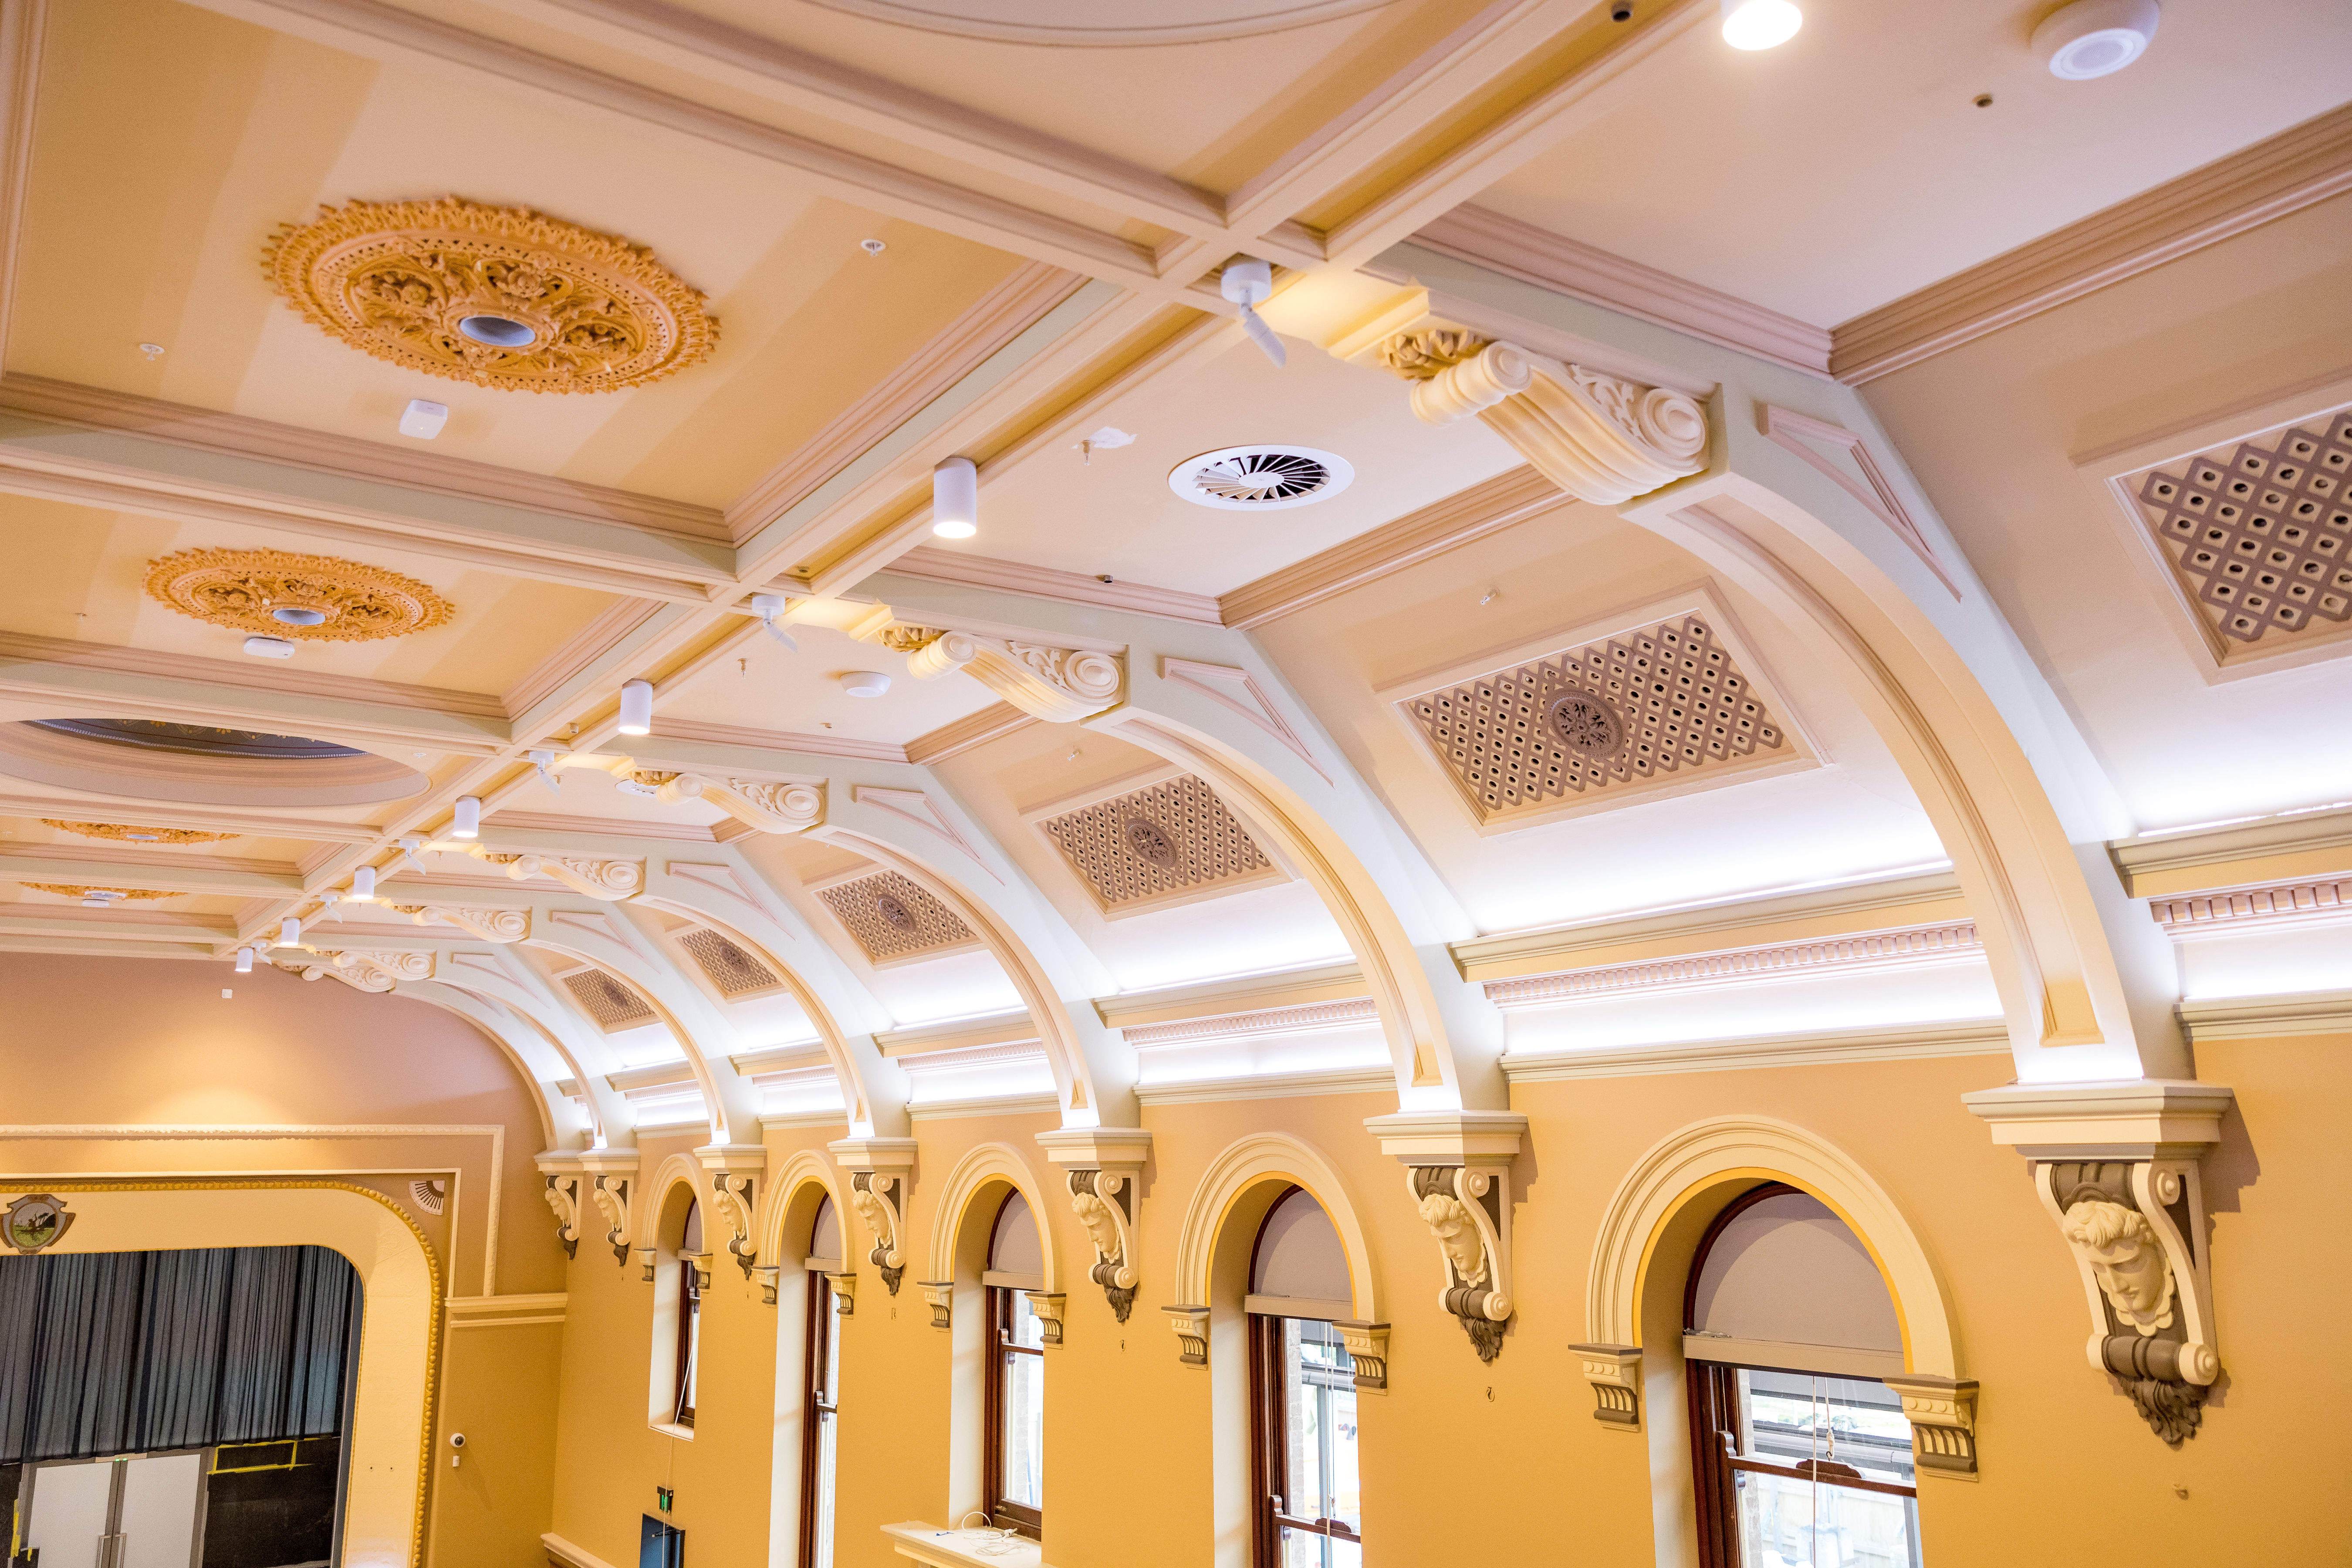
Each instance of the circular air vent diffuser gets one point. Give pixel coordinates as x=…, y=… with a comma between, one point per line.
x=1260, y=479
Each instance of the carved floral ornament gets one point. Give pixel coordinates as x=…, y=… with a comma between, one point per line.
x=123, y=833
x=1059, y=685
x=563, y=1196
x=369, y=969
x=1602, y=438
x=244, y=590
x=501, y=297
x=76, y=890
x=880, y=1199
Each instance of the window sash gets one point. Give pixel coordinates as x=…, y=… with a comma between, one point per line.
x=689, y=1337
x=1270, y=1426
x=821, y=1375
x=1003, y=1345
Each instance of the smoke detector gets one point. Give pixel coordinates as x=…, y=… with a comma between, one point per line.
x=1260, y=479
x=2092, y=39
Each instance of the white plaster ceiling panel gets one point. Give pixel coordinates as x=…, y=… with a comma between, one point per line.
x=892, y=919
x=1853, y=165
x=763, y=684
x=1169, y=840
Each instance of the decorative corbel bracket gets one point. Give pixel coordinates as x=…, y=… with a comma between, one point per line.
x=767, y=1274
x=597, y=878
x=1615, y=1373
x=1943, y=1416
x=791, y=807
x=1458, y=1175
x=1059, y=685
x=1368, y=1347
x=481, y=921
x=732, y=1168
x=2115, y=1167
x=1192, y=1326
x=881, y=1172
x=844, y=1293
x=609, y=1173
x=1104, y=1167
x=1049, y=1306
x=702, y=1262
x=371, y=970
x=1600, y=437
x=938, y=1295
x=649, y=1258
x=562, y=1195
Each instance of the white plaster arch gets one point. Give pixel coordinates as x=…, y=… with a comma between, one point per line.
x=1718, y=1154
x=981, y=1164
x=1262, y=1157
x=648, y=1206
x=804, y=1168
x=519, y=1043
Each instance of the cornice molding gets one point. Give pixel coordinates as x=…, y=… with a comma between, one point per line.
x=413, y=467
x=933, y=564
x=1485, y=508
x=2306, y=844
x=578, y=655
x=958, y=1034
x=206, y=818
x=2282, y=906
x=697, y=732
x=1311, y=1018
x=608, y=827
x=1910, y=948
x=1006, y=1105
x=2267, y=1017
x=995, y=721
x=24, y=649
x=1564, y=265
x=1225, y=998
x=995, y=319
x=2300, y=166
x=1269, y=1085
x=1824, y=1047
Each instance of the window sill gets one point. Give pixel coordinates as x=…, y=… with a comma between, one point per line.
x=669, y=1429
x=928, y=1544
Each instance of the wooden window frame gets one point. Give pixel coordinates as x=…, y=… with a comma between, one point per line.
x=1269, y=1434
x=819, y=1346
x=1029, y=1522
x=690, y=1316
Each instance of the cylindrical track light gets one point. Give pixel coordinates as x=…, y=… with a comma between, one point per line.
x=469, y=817
x=363, y=882
x=245, y=961
x=955, y=498
x=636, y=708
x=289, y=932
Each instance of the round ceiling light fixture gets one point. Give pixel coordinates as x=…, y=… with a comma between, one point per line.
x=2092, y=39
x=865, y=683
x=497, y=331
x=1759, y=23
x=1261, y=478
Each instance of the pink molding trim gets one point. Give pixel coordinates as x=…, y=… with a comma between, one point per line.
x=1485, y=508
x=996, y=720
x=1565, y=266
x=1794, y=432
x=23, y=648
x=710, y=735
x=2273, y=906
x=1947, y=942
x=933, y=564
x=611, y=826
x=1235, y=689
x=995, y=319
x=918, y=809
x=20, y=71
x=578, y=654
x=347, y=456
x=2298, y=167
x=1307, y=1018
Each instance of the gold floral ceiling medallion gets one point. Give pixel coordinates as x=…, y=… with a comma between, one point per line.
x=136, y=835
x=76, y=890
x=313, y=598
x=501, y=297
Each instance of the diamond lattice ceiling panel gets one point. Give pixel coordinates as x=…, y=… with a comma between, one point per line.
x=893, y=919
x=732, y=971
x=1611, y=718
x=1168, y=842
x=613, y=1005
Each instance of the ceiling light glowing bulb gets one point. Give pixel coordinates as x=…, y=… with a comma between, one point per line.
x=470, y=818
x=955, y=498
x=1759, y=23
x=363, y=882
x=638, y=708
x=245, y=961
x=289, y=932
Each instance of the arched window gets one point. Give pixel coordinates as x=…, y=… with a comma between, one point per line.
x=1302, y=1393
x=1015, y=1400
x=820, y=1415
x=689, y=1315
x=1802, y=1456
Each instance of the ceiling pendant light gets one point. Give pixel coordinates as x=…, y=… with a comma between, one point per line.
x=638, y=708
x=470, y=818
x=364, y=883
x=245, y=961
x=289, y=932
x=955, y=498
x=1759, y=23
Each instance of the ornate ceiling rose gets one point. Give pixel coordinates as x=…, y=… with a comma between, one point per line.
x=501, y=297
x=136, y=835
x=76, y=890
x=310, y=598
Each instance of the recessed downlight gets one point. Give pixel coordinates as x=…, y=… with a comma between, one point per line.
x=497, y=331
x=299, y=615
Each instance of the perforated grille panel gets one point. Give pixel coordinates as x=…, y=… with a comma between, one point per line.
x=1172, y=838
x=1612, y=715
x=613, y=1005
x=733, y=971
x=890, y=917
x=2259, y=531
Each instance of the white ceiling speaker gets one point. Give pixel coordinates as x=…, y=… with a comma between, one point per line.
x=1249, y=283
x=955, y=498
x=865, y=683
x=2092, y=39
x=771, y=607
x=468, y=822
x=1759, y=23
x=636, y=708
x=1261, y=478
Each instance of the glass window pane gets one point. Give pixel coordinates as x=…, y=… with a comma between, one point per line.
x=1793, y=1418
x=1025, y=1329
x=1025, y=1428
x=693, y=1348
x=1320, y=1407
x=821, y=1531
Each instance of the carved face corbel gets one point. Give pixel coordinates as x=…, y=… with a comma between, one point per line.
x=1467, y=1210
x=2133, y=1228
x=731, y=1196
x=1104, y=1202
x=880, y=1198
x=563, y=1196
x=611, y=1197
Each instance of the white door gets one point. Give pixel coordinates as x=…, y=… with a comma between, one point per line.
x=68, y=1513
x=159, y=1511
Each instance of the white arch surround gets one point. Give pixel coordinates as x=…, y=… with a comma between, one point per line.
x=401, y=1285
x=1262, y=1157
x=646, y=1208
x=1724, y=1152
x=804, y=1168
x=982, y=1165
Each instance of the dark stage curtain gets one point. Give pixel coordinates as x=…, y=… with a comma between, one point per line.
x=126, y=1352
